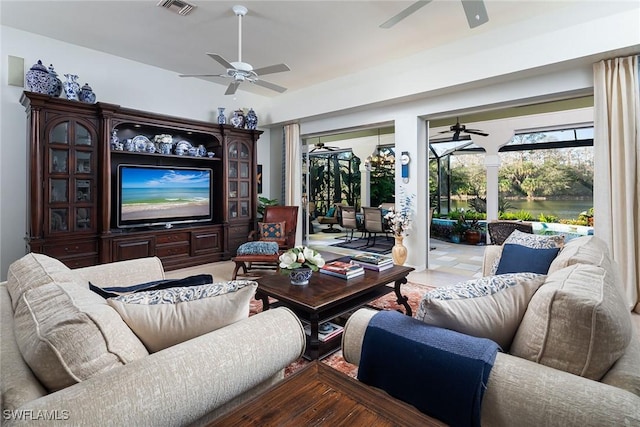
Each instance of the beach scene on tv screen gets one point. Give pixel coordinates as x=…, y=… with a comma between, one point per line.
x=148, y=193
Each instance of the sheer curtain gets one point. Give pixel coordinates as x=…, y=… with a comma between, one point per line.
x=293, y=169
x=617, y=166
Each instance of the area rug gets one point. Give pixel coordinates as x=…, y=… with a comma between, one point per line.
x=414, y=293
x=382, y=245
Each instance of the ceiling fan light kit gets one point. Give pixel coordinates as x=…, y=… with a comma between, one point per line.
x=241, y=71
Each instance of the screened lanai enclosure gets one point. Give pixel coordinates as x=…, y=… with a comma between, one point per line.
x=334, y=178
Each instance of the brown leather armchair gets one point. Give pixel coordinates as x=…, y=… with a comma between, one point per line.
x=285, y=240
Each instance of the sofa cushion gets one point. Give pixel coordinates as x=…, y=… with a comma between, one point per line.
x=583, y=250
x=576, y=322
x=488, y=307
x=272, y=232
x=34, y=270
x=166, y=317
x=534, y=241
x=115, y=291
x=521, y=259
x=67, y=334
x=258, y=248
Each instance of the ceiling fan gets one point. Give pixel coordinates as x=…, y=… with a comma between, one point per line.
x=241, y=71
x=458, y=128
x=474, y=10
x=320, y=146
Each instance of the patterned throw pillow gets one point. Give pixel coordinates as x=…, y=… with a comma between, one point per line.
x=489, y=307
x=166, y=317
x=272, y=232
x=534, y=241
x=258, y=248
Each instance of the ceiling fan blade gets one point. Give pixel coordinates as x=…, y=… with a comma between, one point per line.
x=408, y=11
x=232, y=88
x=477, y=132
x=271, y=86
x=476, y=12
x=219, y=59
x=278, y=68
x=200, y=75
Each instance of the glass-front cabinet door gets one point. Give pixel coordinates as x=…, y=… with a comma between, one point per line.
x=70, y=178
x=239, y=181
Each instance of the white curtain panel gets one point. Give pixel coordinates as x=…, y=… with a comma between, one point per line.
x=293, y=169
x=616, y=189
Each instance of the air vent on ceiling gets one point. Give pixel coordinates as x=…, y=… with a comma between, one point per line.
x=179, y=6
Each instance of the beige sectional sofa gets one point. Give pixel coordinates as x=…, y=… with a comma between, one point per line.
x=188, y=383
x=575, y=358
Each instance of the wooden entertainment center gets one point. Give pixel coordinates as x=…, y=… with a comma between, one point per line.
x=72, y=184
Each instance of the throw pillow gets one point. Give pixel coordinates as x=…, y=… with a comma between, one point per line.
x=576, y=322
x=489, y=307
x=272, y=232
x=331, y=212
x=114, y=291
x=521, y=259
x=258, y=248
x=166, y=317
x=34, y=270
x=534, y=241
x=67, y=334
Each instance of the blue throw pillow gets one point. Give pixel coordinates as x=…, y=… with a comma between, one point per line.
x=197, y=280
x=331, y=211
x=522, y=259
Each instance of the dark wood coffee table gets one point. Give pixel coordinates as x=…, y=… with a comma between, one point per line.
x=327, y=297
x=319, y=395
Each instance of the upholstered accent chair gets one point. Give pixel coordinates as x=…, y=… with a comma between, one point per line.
x=500, y=230
x=276, y=233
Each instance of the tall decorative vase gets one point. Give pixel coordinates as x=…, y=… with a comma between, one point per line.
x=56, y=84
x=39, y=80
x=222, y=119
x=71, y=87
x=399, y=251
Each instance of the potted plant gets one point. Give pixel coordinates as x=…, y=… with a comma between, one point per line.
x=300, y=262
x=459, y=227
x=473, y=233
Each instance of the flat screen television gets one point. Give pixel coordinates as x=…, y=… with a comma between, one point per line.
x=160, y=195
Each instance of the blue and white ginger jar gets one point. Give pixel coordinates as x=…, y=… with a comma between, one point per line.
x=38, y=79
x=56, y=83
x=222, y=119
x=251, y=119
x=86, y=94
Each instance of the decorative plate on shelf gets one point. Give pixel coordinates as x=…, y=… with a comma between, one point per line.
x=182, y=147
x=140, y=143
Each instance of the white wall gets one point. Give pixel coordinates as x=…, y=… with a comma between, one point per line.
x=114, y=80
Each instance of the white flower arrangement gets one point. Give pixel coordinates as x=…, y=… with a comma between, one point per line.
x=400, y=222
x=301, y=256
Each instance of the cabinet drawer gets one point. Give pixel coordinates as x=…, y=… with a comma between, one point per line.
x=132, y=248
x=71, y=249
x=205, y=242
x=169, y=238
x=172, y=250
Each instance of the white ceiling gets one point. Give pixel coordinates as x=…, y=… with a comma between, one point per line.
x=319, y=40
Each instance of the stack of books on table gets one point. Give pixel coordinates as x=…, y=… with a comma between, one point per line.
x=326, y=330
x=373, y=261
x=345, y=270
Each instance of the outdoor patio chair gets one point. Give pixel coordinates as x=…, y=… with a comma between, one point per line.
x=500, y=230
x=348, y=220
x=373, y=223
x=276, y=233
x=330, y=218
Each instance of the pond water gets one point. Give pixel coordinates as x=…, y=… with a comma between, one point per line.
x=563, y=209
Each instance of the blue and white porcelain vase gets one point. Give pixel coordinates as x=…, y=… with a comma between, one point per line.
x=300, y=276
x=38, y=79
x=222, y=119
x=86, y=94
x=56, y=83
x=238, y=119
x=251, y=119
x=71, y=87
